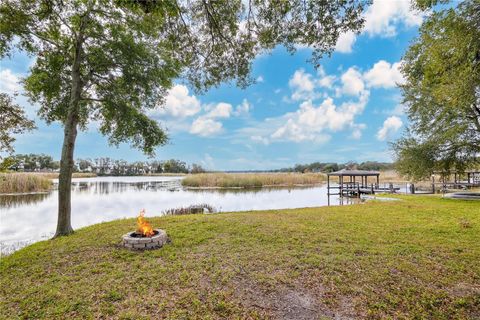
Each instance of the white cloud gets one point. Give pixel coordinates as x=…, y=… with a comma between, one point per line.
x=390, y=126
x=243, y=108
x=260, y=79
x=302, y=84
x=357, y=130
x=383, y=16
x=310, y=123
x=314, y=122
x=10, y=82
x=220, y=110
x=325, y=81
x=384, y=75
x=345, y=42
x=352, y=82
x=206, y=127
x=260, y=139
x=293, y=131
x=179, y=103
x=207, y=124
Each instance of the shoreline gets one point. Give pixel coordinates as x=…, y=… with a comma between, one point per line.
x=355, y=202
x=360, y=201
x=27, y=193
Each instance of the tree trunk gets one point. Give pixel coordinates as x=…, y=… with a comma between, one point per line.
x=64, y=226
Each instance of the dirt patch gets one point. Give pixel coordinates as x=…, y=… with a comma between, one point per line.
x=293, y=302
x=464, y=290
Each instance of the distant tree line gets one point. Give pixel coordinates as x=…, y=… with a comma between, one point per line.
x=109, y=166
x=33, y=162
x=102, y=166
x=327, y=167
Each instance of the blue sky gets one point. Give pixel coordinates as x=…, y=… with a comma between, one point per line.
x=347, y=110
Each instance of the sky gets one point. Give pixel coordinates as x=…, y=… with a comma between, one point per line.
x=346, y=110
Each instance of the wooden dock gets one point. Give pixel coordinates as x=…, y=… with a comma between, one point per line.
x=354, y=183
x=349, y=186
x=355, y=189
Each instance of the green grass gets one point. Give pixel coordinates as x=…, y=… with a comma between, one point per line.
x=411, y=259
x=251, y=180
x=23, y=183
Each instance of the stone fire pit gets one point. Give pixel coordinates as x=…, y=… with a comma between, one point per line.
x=134, y=240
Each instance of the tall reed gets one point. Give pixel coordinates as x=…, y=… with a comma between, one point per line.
x=23, y=183
x=251, y=180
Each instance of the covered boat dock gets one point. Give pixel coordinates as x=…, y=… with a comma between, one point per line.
x=461, y=180
x=356, y=182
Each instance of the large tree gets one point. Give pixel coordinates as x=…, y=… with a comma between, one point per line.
x=113, y=60
x=442, y=94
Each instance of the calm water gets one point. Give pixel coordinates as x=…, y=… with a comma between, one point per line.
x=102, y=199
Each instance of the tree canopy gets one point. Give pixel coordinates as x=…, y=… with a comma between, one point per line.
x=128, y=53
x=113, y=60
x=442, y=94
x=12, y=121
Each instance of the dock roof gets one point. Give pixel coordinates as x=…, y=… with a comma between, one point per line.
x=353, y=173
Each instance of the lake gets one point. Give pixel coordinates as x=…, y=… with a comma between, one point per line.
x=25, y=219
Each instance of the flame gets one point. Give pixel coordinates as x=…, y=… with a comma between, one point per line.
x=143, y=226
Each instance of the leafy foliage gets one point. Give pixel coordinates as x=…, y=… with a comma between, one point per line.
x=442, y=94
x=114, y=60
x=196, y=168
x=175, y=166
x=6, y=163
x=12, y=121
x=427, y=4
x=327, y=167
x=108, y=166
x=32, y=162
x=128, y=53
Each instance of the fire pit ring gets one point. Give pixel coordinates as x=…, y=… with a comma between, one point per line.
x=133, y=240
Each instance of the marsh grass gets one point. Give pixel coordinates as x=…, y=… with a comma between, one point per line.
x=23, y=183
x=251, y=180
x=193, y=209
x=408, y=259
x=392, y=176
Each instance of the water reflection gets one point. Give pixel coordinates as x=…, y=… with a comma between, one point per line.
x=101, y=199
x=107, y=187
x=14, y=201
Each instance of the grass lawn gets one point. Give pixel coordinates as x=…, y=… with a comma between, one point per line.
x=416, y=258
